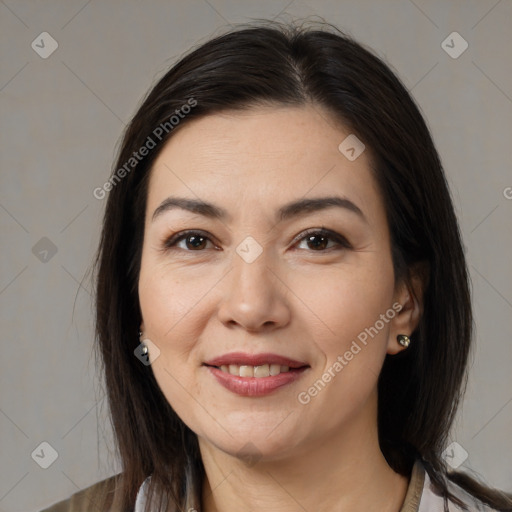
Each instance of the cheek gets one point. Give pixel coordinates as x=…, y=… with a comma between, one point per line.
x=345, y=302
x=352, y=338
x=166, y=307
x=350, y=335
x=172, y=303
x=169, y=299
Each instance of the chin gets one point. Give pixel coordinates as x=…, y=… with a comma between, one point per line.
x=254, y=443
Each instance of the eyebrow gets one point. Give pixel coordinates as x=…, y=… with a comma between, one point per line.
x=289, y=210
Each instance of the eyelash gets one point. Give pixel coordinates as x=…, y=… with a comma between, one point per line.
x=170, y=242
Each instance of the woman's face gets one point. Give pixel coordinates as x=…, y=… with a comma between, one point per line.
x=254, y=284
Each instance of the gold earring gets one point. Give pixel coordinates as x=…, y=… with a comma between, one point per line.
x=403, y=340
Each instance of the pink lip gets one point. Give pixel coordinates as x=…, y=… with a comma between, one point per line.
x=255, y=386
x=241, y=358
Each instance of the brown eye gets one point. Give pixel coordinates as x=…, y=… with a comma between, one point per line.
x=318, y=240
x=190, y=240
x=195, y=242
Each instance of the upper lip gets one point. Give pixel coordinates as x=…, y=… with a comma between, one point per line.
x=241, y=359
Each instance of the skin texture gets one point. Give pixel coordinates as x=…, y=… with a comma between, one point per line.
x=294, y=299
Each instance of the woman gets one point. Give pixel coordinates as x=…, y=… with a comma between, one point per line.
x=283, y=310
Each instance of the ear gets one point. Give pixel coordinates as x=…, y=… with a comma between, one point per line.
x=410, y=297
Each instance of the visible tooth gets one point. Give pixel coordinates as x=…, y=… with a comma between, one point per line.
x=275, y=369
x=262, y=371
x=246, y=371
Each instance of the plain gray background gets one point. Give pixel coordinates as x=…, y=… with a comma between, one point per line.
x=62, y=118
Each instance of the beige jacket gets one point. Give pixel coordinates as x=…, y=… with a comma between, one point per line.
x=420, y=497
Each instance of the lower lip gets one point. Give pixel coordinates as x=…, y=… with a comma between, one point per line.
x=255, y=386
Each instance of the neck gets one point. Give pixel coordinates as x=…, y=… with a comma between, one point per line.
x=343, y=471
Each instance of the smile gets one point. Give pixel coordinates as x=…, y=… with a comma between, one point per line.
x=255, y=386
x=255, y=375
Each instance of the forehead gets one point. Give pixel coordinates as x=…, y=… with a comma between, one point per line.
x=264, y=155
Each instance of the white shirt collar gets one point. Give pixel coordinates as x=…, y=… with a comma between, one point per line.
x=140, y=501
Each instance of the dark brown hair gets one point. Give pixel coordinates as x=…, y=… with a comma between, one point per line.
x=419, y=389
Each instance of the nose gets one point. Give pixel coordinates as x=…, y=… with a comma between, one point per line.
x=254, y=296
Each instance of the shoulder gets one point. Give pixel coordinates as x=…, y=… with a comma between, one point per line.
x=98, y=496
